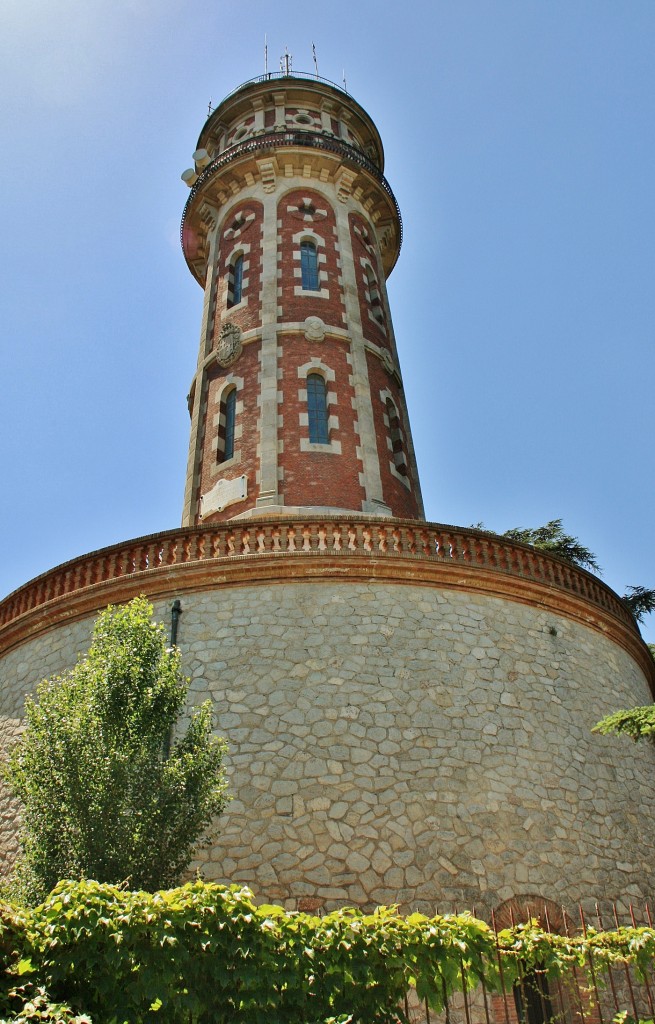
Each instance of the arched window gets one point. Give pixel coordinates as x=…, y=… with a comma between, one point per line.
x=309, y=266
x=396, y=436
x=228, y=416
x=317, y=409
x=235, y=285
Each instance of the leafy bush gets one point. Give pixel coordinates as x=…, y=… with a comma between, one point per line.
x=36, y=1006
x=206, y=954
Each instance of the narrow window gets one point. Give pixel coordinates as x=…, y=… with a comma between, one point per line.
x=532, y=998
x=235, y=285
x=317, y=409
x=396, y=436
x=309, y=266
x=228, y=409
x=374, y=294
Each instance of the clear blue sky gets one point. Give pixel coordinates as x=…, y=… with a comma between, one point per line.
x=519, y=142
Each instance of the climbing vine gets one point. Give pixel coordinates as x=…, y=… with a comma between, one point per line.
x=205, y=952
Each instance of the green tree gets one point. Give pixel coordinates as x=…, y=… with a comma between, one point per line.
x=110, y=789
x=551, y=537
x=637, y=723
x=640, y=601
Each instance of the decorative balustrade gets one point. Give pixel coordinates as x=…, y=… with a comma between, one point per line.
x=313, y=538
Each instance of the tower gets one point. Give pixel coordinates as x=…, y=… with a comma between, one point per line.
x=292, y=229
x=408, y=704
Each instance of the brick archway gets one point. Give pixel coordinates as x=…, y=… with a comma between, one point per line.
x=521, y=909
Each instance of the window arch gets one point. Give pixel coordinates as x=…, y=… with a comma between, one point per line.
x=534, y=1000
x=317, y=414
x=227, y=423
x=309, y=266
x=235, y=281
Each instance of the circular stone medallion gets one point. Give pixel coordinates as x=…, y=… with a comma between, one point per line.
x=314, y=328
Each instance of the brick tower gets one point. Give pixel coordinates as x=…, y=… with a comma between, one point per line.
x=408, y=705
x=292, y=230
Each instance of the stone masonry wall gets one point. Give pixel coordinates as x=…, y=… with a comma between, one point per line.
x=400, y=743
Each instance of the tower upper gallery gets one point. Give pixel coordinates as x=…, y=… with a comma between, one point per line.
x=292, y=229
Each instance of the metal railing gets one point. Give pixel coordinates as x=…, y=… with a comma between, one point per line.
x=591, y=991
x=272, y=76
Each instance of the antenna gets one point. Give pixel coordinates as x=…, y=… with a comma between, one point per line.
x=286, y=62
x=265, y=55
x=315, y=60
x=209, y=107
x=344, y=80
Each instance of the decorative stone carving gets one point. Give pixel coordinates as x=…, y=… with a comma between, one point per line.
x=344, y=182
x=224, y=492
x=240, y=225
x=307, y=212
x=314, y=328
x=268, y=174
x=229, y=346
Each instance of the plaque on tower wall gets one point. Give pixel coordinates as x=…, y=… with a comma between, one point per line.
x=223, y=493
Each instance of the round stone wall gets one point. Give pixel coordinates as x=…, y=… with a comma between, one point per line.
x=403, y=743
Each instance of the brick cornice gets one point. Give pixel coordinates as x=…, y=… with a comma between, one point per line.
x=277, y=550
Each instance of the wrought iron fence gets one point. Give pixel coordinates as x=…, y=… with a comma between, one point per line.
x=597, y=991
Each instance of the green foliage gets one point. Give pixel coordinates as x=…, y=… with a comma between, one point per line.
x=552, y=538
x=103, y=795
x=33, y=1004
x=13, y=950
x=640, y=601
x=635, y=723
x=625, y=1018
x=205, y=953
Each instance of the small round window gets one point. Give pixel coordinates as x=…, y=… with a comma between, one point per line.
x=303, y=119
x=239, y=134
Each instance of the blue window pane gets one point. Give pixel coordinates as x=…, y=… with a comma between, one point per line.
x=237, y=280
x=309, y=266
x=230, y=414
x=317, y=409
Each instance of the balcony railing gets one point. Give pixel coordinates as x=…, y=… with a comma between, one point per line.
x=273, y=76
x=314, y=538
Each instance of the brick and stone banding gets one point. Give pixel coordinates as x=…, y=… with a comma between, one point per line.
x=263, y=204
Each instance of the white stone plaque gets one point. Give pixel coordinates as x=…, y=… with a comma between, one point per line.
x=223, y=493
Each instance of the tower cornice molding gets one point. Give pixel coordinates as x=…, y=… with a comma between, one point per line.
x=295, y=90
x=322, y=159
